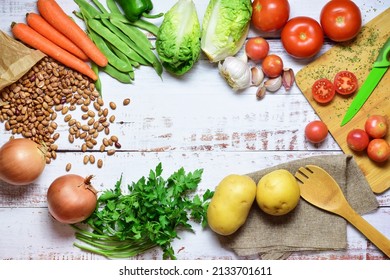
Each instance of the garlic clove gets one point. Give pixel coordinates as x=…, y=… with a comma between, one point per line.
x=288, y=78
x=273, y=84
x=257, y=76
x=260, y=93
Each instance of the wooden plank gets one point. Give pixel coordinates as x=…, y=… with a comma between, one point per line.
x=134, y=165
x=57, y=243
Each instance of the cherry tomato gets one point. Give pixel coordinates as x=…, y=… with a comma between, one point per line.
x=323, y=91
x=341, y=20
x=316, y=131
x=345, y=83
x=270, y=15
x=357, y=140
x=302, y=37
x=378, y=150
x=376, y=126
x=256, y=48
x=272, y=65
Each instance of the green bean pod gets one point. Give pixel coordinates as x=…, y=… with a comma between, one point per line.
x=112, y=58
x=86, y=9
x=98, y=83
x=122, y=56
x=116, y=74
x=134, y=52
x=113, y=7
x=140, y=23
x=133, y=33
x=109, y=36
x=100, y=6
x=147, y=52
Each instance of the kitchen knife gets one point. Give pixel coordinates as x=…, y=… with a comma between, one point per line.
x=379, y=69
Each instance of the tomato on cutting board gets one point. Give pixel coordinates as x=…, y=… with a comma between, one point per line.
x=345, y=82
x=323, y=91
x=376, y=126
x=358, y=139
x=378, y=150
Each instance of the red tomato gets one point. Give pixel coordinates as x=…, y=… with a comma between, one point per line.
x=323, y=91
x=256, y=48
x=376, y=126
x=302, y=37
x=378, y=150
x=341, y=20
x=345, y=82
x=270, y=15
x=316, y=131
x=272, y=65
x=357, y=140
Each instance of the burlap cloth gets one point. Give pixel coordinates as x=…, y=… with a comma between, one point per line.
x=306, y=227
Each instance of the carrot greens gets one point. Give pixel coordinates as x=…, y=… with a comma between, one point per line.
x=149, y=214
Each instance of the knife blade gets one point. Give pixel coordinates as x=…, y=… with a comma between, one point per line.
x=378, y=70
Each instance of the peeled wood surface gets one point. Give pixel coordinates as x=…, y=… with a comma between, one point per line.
x=358, y=58
x=195, y=121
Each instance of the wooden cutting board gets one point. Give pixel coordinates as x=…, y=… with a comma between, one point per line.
x=358, y=57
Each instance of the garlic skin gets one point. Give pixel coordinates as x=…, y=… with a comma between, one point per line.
x=236, y=72
x=273, y=84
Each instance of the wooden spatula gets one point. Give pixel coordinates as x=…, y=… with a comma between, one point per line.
x=321, y=190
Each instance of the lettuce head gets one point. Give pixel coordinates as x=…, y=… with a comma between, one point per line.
x=225, y=28
x=178, y=38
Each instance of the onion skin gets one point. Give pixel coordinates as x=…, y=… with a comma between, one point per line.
x=22, y=161
x=71, y=198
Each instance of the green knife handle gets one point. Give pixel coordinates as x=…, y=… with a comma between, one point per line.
x=383, y=56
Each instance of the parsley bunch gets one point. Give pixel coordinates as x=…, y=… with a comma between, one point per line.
x=149, y=215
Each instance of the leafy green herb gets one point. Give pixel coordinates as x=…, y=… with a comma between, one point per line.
x=148, y=215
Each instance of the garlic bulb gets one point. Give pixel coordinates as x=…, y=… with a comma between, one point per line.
x=236, y=72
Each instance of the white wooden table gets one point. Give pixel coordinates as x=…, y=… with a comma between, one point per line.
x=195, y=121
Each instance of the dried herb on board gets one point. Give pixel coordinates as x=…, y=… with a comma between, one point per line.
x=149, y=215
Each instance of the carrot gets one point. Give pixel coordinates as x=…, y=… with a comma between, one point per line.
x=55, y=15
x=40, y=25
x=35, y=40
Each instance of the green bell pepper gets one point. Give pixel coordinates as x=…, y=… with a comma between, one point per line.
x=134, y=9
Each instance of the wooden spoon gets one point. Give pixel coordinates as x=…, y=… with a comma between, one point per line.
x=321, y=190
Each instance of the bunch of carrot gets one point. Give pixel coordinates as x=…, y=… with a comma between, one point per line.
x=54, y=33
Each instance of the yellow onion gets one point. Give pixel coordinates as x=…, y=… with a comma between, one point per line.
x=71, y=198
x=22, y=161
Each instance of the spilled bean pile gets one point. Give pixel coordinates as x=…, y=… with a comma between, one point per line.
x=31, y=105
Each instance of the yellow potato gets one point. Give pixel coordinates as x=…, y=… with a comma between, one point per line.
x=230, y=205
x=278, y=192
